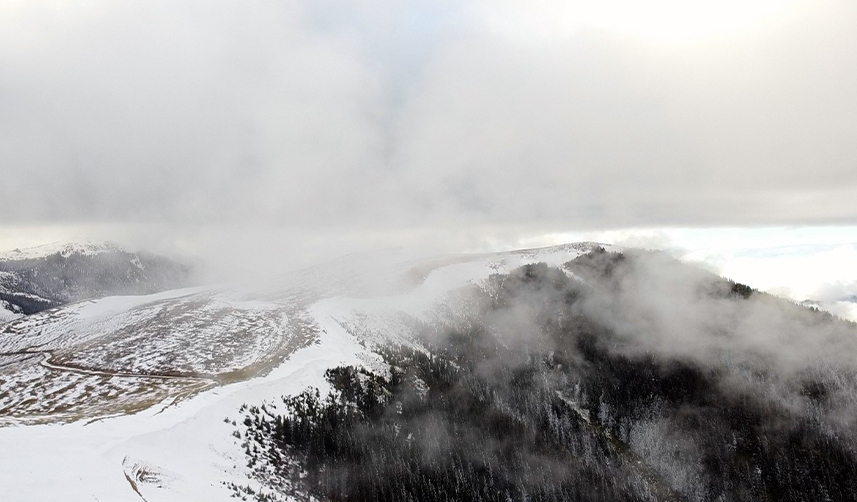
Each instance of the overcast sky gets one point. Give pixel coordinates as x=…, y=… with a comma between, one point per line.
x=426, y=118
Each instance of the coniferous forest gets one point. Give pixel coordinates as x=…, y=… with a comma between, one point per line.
x=537, y=393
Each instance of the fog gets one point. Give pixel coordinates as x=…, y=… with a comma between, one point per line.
x=259, y=136
x=663, y=306
x=689, y=378
x=647, y=306
x=236, y=128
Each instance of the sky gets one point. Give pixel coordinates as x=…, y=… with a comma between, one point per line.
x=264, y=129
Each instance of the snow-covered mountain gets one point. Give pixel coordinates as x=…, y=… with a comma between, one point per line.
x=138, y=386
x=64, y=249
x=43, y=277
x=166, y=397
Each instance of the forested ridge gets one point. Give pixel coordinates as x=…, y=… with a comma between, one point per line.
x=533, y=396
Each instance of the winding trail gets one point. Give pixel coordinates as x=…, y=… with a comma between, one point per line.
x=46, y=363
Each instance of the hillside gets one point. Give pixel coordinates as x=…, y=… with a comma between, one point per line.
x=44, y=277
x=620, y=376
x=565, y=373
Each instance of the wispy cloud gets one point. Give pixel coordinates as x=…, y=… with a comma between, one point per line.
x=386, y=116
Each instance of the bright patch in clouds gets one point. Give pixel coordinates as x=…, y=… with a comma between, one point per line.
x=664, y=20
x=822, y=273
x=816, y=263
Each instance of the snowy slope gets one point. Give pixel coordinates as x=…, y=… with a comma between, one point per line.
x=64, y=249
x=8, y=311
x=118, y=354
x=184, y=451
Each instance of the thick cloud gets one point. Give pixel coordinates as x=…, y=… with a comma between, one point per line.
x=390, y=115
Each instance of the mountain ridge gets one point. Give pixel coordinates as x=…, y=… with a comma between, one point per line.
x=161, y=380
x=63, y=248
x=44, y=277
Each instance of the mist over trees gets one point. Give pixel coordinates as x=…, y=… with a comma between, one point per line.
x=567, y=384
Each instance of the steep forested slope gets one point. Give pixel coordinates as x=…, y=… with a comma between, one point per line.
x=621, y=377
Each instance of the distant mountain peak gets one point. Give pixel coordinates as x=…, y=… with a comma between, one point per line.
x=43, y=277
x=65, y=249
